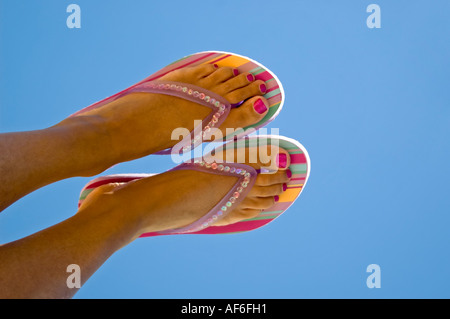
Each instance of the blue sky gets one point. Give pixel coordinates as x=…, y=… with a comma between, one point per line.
x=370, y=105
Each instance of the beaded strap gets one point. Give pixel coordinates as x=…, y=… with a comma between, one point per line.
x=246, y=179
x=219, y=106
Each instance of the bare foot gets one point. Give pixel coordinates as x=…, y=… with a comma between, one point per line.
x=178, y=198
x=139, y=124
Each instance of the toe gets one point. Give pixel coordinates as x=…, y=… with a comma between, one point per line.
x=258, y=202
x=264, y=191
x=273, y=159
x=237, y=82
x=188, y=74
x=204, y=70
x=283, y=160
x=221, y=74
x=241, y=94
x=250, y=112
x=248, y=213
x=244, y=213
x=269, y=159
x=280, y=177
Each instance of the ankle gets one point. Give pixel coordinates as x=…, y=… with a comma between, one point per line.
x=89, y=142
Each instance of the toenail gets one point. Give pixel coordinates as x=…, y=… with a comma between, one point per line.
x=235, y=72
x=284, y=187
x=216, y=66
x=281, y=160
x=259, y=106
x=289, y=173
x=276, y=198
x=262, y=88
x=250, y=77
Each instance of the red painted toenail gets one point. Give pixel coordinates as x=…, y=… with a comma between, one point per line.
x=262, y=88
x=284, y=187
x=276, y=198
x=281, y=160
x=235, y=72
x=216, y=66
x=260, y=107
x=289, y=173
x=250, y=77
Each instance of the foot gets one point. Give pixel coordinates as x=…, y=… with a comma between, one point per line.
x=140, y=124
x=178, y=198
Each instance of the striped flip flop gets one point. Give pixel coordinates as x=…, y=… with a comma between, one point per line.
x=220, y=107
x=300, y=167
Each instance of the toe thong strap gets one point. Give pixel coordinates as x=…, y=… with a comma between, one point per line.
x=246, y=179
x=219, y=106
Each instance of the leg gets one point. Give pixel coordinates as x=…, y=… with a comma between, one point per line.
x=30, y=160
x=133, y=126
x=35, y=267
x=86, y=145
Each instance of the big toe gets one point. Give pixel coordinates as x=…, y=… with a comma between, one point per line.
x=250, y=112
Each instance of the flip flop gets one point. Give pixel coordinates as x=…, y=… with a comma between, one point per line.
x=300, y=167
x=220, y=107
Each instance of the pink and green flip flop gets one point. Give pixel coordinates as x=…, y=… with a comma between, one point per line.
x=299, y=167
x=219, y=106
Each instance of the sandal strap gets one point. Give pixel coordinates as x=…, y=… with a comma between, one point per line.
x=246, y=179
x=219, y=106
